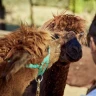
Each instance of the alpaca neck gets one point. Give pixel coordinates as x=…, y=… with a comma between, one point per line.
x=54, y=81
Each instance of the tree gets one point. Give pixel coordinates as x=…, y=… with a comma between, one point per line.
x=31, y=12
x=2, y=16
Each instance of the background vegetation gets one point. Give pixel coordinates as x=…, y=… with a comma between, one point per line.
x=41, y=10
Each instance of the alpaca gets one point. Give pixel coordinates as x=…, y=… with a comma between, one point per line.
x=26, y=45
x=20, y=48
x=54, y=81
x=58, y=24
x=80, y=79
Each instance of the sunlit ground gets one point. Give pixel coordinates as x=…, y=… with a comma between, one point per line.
x=74, y=91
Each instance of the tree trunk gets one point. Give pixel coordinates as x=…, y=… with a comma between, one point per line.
x=31, y=12
x=2, y=16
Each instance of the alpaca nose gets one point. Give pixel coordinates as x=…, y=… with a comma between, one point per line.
x=71, y=51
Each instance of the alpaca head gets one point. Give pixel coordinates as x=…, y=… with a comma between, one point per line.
x=24, y=46
x=67, y=28
x=71, y=51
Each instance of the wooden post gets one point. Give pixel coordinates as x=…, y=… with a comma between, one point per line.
x=31, y=12
x=2, y=16
x=74, y=6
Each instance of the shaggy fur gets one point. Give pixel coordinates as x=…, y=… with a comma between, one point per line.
x=29, y=43
x=25, y=38
x=62, y=23
x=20, y=52
x=67, y=22
x=54, y=81
x=25, y=45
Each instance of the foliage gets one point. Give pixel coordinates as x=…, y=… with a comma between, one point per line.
x=74, y=5
x=19, y=10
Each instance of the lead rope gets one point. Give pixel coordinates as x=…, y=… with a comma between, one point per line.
x=38, y=80
x=38, y=88
x=41, y=69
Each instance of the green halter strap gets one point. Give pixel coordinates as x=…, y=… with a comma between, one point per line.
x=42, y=67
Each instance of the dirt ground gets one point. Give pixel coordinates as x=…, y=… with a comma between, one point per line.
x=75, y=91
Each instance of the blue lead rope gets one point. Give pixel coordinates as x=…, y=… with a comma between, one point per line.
x=42, y=67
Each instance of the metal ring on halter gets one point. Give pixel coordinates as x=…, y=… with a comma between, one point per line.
x=39, y=78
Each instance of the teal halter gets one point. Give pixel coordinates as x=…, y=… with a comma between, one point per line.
x=42, y=67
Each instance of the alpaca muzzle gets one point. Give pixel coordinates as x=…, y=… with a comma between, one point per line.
x=71, y=51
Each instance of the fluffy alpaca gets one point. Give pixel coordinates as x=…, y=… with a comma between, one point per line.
x=54, y=81
x=24, y=46
x=80, y=78
x=22, y=51
x=60, y=23
x=23, y=43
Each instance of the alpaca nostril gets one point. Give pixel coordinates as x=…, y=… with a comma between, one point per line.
x=75, y=54
x=72, y=51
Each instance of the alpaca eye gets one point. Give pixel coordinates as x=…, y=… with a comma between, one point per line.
x=56, y=36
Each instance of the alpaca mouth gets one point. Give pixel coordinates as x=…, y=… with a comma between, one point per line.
x=71, y=51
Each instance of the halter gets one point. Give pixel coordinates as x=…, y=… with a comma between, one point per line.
x=42, y=67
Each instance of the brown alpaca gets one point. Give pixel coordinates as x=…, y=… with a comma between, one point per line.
x=59, y=24
x=16, y=50
x=20, y=43
x=54, y=81
x=26, y=45
x=86, y=62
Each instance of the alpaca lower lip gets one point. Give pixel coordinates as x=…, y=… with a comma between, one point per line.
x=75, y=57
x=71, y=58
